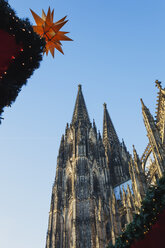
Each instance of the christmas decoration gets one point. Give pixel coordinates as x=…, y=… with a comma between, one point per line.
x=21, y=52
x=148, y=227
x=50, y=31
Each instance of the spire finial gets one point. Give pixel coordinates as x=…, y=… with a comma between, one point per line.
x=134, y=151
x=142, y=102
x=158, y=84
x=105, y=106
x=79, y=86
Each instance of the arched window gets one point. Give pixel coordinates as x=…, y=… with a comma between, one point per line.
x=123, y=221
x=68, y=189
x=96, y=185
x=108, y=231
x=60, y=178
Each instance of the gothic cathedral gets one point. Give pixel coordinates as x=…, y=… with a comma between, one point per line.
x=85, y=210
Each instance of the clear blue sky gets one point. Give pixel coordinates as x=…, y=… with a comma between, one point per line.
x=117, y=54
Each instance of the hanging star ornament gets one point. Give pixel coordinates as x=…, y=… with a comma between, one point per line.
x=50, y=30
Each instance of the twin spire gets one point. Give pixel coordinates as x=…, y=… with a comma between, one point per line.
x=81, y=114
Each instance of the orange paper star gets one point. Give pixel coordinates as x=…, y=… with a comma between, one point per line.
x=50, y=31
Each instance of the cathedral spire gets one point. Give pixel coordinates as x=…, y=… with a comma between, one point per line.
x=154, y=139
x=117, y=163
x=136, y=159
x=109, y=132
x=80, y=111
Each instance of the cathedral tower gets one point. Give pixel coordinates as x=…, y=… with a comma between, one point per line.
x=80, y=206
x=86, y=211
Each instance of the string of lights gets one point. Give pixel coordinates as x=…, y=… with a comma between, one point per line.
x=25, y=58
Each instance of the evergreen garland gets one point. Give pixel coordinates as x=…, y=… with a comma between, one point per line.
x=23, y=66
x=152, y=205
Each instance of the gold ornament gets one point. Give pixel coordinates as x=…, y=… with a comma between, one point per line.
x=50, y=31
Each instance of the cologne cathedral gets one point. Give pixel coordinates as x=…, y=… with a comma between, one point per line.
x=85, y=211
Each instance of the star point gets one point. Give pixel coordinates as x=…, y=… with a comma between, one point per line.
x=50, y=30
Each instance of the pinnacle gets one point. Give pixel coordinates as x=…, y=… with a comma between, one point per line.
x=158, y=84
x=135, y=153
x=134, y=150
x=62, y=139
x=143, y=105
x=61, y=145
x=109, y=131
x=105, y=106
x=79, y=86
x=146, y=111
x=80, y=111
x=142, y=102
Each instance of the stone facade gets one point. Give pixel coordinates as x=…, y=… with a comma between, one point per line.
x=85, y=212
